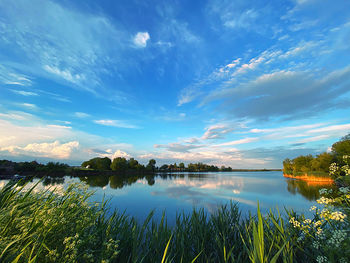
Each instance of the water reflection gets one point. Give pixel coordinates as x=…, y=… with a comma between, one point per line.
x=177, y=192
x=120, y=181
x=310, y=190
x=53, y=181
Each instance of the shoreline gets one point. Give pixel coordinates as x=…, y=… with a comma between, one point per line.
x=310, y=179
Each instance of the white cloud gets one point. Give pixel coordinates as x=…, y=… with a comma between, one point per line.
x=287, y=129
x=29, y=106
x=245, y=20
x=65, y=74
x=18, y=115
x=312, y=139
x=81, y=115
x=216, y=131
x=111, y=154
x=119, y=153
x=9, y=77
x=65, y=45
x=49, y=150
x=283, y=93
x=25, y=136
x=116, y=123
x=140, y=39
x=302, y=47
x=24, y=93
x=332, y=128
x=178, y=147
x=236, y=142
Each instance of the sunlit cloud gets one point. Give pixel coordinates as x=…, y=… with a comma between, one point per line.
x=49, y=150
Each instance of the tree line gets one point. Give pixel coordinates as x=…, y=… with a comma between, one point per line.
x=119, y=164
x=192, y=167
x=34, y=168
x=124, y=165
x=318, y=165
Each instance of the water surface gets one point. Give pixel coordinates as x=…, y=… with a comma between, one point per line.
x=181, y=192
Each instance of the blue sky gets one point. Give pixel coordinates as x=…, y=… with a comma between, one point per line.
x=239, y=83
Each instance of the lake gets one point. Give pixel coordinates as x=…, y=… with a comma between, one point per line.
x=177, y=192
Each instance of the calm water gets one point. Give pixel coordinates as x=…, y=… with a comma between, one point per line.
x=184, y=191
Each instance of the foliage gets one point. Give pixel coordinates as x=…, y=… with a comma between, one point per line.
x=98, y=163
x=53, y=227
x=123, y=166
x=119, y=164
x=319, y=165
x=341, y=148
x=151, y=166
x=193, y=167
x=34, y=168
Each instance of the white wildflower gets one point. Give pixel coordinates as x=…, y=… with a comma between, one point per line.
x=321, y=259
x=344, y=190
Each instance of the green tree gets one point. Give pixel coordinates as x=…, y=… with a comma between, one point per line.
x=182, y=166
x=132, y=163
x=119, y=164
x=322, y=162
x=288, y=166
x=341, y=148
x=98, y=163
x=302, y=164
x=164, y=167
x=151, y=166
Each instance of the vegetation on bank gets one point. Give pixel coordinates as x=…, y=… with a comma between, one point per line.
x=64, y=227
x=319, y=166
x=119, y=164
x=33, y=168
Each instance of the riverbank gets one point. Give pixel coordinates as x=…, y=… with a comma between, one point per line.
x=311, y=179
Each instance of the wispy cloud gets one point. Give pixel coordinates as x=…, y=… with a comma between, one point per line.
x=283, y=94
x=65, y=74
x=29, y=106
x=236, y=142
x=312, y=139
x=66, y=49
x=17, y=115
x=81, y=114
x=332, y=128
x=216, y=131
x=178, y=147
x=24, y=93
x=9, y=77
x=116, y=123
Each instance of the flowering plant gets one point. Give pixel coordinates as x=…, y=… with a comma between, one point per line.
x=335, y=170
x=329, y=231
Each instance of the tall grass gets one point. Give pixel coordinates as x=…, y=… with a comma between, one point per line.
x=56, y=226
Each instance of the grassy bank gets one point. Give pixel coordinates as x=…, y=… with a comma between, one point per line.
x=65, y=227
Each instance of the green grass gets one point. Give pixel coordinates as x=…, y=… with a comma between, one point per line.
x=65, y=227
